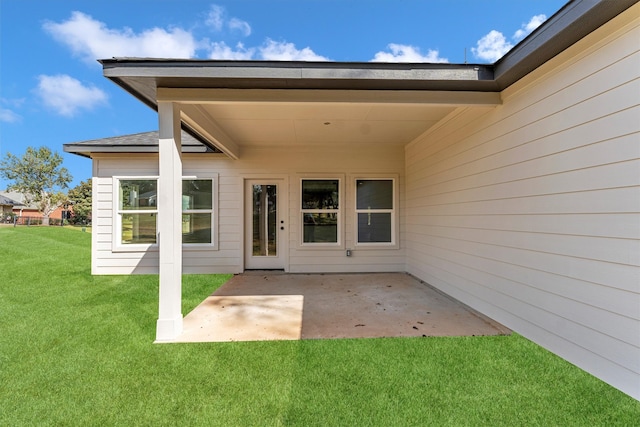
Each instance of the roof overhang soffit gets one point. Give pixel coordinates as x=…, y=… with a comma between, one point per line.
x=193, y=101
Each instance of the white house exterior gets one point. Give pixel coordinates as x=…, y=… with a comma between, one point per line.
x=513, y=187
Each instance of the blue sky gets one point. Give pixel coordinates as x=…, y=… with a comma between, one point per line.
x=52, y=90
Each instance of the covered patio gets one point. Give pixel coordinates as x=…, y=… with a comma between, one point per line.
x=511, y=187
x=268, y=305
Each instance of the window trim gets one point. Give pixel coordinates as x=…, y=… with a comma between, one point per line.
x=394, y=211
x=214, y=216
x=116, y=232
x=117, y=245
x=339, y=212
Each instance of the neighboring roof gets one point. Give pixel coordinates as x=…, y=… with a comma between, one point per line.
x=7, y=201
x=146, y=142
x=18, y=199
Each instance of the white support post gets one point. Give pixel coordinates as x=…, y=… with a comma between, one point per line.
x=169, y=324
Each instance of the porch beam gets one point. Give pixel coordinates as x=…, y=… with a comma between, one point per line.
x=219, y=96
x=201, y=122
x=169, y=324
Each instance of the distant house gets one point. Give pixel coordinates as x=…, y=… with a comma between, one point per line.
x=23, y=209
x=6, y=206
x=20, y=207
x=513, y=186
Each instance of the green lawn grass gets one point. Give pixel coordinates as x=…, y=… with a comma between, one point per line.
x=78, y=350
x=79, y=227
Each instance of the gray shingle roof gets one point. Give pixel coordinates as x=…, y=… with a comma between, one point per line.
x=146, y=142
x=7, y=201
x=13, y=198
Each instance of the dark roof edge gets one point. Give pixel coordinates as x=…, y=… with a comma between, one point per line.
x=70, y=148
x=128, y=88
x=253, y=63
x=130, y=73
x=572, y=22
x=142, y=142
x=85, y=150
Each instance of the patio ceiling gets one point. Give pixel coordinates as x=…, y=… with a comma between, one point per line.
x=235, y=119
x=288, y=124
x=233, y=126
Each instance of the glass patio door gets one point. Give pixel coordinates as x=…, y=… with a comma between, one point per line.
x=263, y=226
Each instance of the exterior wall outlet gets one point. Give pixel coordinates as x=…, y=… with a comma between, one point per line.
x=348, y=252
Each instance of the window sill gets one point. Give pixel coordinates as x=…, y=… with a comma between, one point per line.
x=321, y=246
x=135, y=248
x=195, y=247
x=376, y=246
x=186, y=247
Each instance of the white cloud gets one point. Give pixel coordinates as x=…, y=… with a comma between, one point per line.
x=270, y=50
x=8, y=116
x=243, y=27
x=527, y=28
x=283, y=51
x=66, y=96
x=220, y=50
x=215, y=18
x=492, y=46
x=217, y=21
x=406, y=53
x=91, y=39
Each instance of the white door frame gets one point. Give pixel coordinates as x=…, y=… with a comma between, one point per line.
x=281, y=261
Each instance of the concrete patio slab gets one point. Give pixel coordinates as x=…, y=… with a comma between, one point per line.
x=263, y=305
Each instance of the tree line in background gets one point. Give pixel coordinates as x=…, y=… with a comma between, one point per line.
x=40, y=177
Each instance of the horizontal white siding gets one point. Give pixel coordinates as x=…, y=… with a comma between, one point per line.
x=228, y=258
x=104, y=261
x=530, y=212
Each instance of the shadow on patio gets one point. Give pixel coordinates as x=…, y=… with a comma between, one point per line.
x=265, y=305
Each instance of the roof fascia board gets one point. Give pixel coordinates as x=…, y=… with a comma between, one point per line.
x=189, y=69
x=74, y=149
x=134, y=91
x=572, y=22
x=83, y=148
x=448, y=73
x=87, y=150
x=283, y=70
x=219, y=96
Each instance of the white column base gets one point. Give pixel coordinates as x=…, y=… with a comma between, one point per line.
x=168, y=329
